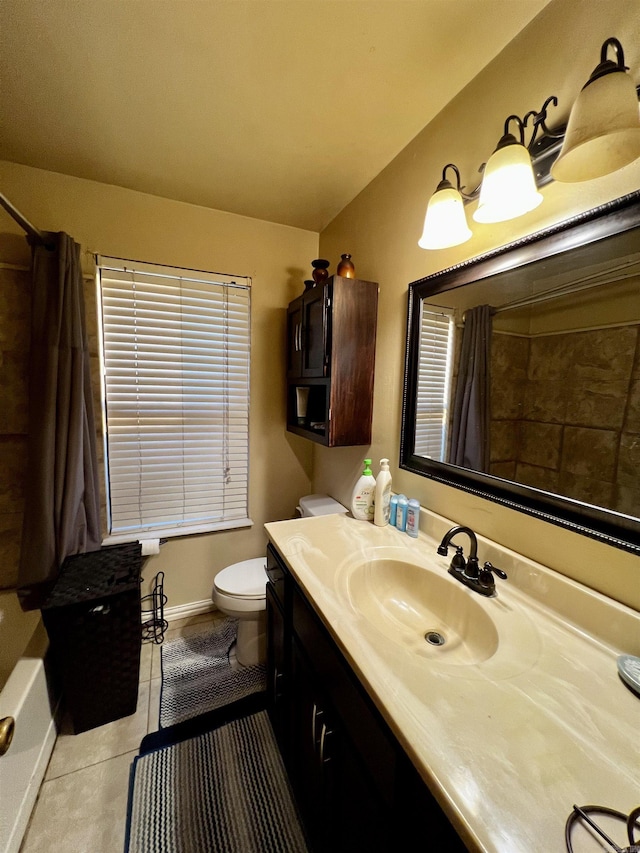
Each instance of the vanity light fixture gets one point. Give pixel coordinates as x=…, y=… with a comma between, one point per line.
x=603, y=133
x=445, y=223
x=508, y=186
x=602, y=136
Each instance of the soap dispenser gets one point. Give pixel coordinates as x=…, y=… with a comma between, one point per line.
x=382, y=495
x=362, y=496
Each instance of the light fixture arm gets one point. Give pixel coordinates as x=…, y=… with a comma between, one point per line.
x=606, y=66
x=445, y=184
x=507, y=137
x=540, y=123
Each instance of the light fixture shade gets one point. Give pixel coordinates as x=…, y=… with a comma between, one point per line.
x=603, y=133
x=445, y=223
x=508, y=185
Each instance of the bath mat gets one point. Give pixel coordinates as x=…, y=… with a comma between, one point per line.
x=197, y=676
x=225, y=791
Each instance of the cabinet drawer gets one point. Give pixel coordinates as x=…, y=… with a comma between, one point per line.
x=360, y=719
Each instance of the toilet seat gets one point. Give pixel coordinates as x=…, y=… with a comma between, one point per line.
x=244, y=580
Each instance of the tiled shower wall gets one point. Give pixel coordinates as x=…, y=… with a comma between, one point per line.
x=15, y=307
x=566, y=414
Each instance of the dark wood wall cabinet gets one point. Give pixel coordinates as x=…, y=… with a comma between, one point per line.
x=331, y=342
x=355, y=786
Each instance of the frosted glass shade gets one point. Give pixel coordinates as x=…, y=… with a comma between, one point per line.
x=603, y=133
x=445, y=223
x=508, y=185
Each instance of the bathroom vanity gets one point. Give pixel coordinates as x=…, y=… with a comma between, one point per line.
x=353, y=781
x=484, y=742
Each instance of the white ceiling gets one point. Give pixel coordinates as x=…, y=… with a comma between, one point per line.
x=277, y=109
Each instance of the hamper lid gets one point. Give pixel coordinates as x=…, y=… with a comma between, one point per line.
x=96, y=574
x=247, y=579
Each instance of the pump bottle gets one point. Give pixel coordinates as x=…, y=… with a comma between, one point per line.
x=362, y=496
x=382, y=495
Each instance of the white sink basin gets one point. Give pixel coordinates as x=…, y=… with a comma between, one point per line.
x=429, y=614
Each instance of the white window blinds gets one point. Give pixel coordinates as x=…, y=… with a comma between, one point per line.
x=176, y=389
x=434, y=376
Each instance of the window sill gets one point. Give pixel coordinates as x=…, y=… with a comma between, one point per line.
x=171, y=532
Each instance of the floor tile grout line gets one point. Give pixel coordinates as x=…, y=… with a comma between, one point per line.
x=100, y=761
x=87, y=766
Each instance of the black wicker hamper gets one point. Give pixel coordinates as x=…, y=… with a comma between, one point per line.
x=92, y=616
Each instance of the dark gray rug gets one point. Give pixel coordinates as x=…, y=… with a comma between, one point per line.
x=197, y=676
x=225, y=791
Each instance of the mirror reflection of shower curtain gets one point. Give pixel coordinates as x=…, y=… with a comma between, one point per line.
x=62, y=506
x=470, y=423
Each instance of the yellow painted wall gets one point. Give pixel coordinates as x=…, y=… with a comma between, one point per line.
x=121, y=223
x=554, y=55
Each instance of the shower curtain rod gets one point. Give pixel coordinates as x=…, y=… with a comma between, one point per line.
x=24, y=223
x=628, y=268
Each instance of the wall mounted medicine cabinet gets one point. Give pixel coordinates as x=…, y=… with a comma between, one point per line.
x=331, y=341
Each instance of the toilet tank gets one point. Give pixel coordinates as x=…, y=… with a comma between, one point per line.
x=319, y=505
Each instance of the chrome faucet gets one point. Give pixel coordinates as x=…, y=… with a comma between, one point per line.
x=468, y=571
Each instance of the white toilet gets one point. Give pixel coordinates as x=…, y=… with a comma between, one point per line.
x=239, y=590
x=319, y=505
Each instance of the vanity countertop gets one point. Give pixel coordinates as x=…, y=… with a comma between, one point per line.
x=507, y=745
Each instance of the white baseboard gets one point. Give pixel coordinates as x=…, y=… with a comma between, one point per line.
x=193, y=608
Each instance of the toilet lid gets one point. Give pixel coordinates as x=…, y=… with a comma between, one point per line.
x=247, y=579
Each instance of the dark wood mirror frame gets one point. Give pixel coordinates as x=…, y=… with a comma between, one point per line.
x=608, y=220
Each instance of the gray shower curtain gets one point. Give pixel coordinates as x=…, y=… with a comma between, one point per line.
x=62, y=502
x=471, y=418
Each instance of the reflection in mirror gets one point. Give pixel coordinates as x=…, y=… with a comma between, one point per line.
x=523, y=375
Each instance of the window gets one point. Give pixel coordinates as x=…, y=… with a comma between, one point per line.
x=175, y=357
x=434, y=381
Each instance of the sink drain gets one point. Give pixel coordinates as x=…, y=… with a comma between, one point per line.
x=435, y=638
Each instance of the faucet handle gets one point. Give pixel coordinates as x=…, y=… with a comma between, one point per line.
x=489, y=567
x=458, y=562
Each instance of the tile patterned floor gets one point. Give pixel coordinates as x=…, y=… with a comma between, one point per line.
x=82, y=804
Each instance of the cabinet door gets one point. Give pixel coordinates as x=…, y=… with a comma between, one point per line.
x=314, y=333
x=294, y=339
x=312, y=755
x=341, y=808
x=364, y=822
x=277, y=673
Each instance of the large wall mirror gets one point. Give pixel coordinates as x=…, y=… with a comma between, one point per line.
x=522, y=375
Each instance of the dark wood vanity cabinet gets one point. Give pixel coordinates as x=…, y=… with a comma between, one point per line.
x=331, y=337
x=354, y=784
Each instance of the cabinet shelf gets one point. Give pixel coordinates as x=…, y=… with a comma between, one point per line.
x=331, y=338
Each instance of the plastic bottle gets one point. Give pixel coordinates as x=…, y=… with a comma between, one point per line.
x=363, y=492
x=382, y=495
x=401, y=516
x=393, y=510
x=413, y=517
